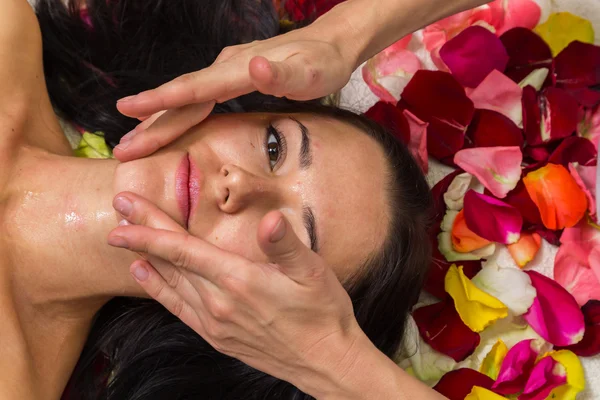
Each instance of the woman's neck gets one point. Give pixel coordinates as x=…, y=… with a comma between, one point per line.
x=56, y=214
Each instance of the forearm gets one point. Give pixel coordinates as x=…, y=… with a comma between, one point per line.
x=362, y=29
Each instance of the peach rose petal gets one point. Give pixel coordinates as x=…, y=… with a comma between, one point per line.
x=465, y=240
x=525, y=250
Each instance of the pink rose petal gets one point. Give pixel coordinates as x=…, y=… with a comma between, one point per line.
x=578, y=65
x=435, y=97
x=590, y=345
x=491, y=129
x=492, y=219
x=527, y=52
x=418, y=139
x=545, y=377
x=516, y=367
x=473, y=55
x=499, y=93
x=497, y=168
x=586, y=180
x=574, y=150
x=572, y=271
x=518, y=13
x=589, y=125
x=554, y=315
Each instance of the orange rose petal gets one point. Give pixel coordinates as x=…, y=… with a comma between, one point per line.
x=465, y=240
x=526, y=248
x=560, y=200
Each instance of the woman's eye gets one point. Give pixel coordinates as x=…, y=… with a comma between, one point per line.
x=275, y=144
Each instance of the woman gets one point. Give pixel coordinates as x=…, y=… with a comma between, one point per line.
x=218, y=182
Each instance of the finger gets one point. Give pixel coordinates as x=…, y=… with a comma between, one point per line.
x=279, y=242
x=147, y=121
x=294, y=78
x=139, y=211
x=218, y=82
x=156, y=287
x=152, y=135
x=180, y=249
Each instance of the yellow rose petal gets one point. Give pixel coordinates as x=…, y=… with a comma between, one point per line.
x=575, y=376
x=563, y=28
x=493, y=361
x=476, y=308
x=479, y=393
x=92, y=145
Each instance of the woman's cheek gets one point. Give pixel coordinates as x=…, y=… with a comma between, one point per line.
x=237, y=236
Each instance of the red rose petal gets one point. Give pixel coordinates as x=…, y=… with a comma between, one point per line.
x=549, y=116
x=578, y=65
x=590, y=344
x=436, y=97
x=574, y=150
x=392, y=118
x=457, y=384
x=519, y=198
x=549, y=235
x=586, y=97
x=300, y=10
x=537, y=153
x=527, y=52
x=492, y=129
x=440, y=327
x=473, y=54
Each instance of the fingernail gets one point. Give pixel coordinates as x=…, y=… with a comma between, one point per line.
x=128, y=136
x=124, y=222
x=278, y=232
x=140, y=272
x=125, y=99
x=123, y=205
x=118, y=241
x=123, y=146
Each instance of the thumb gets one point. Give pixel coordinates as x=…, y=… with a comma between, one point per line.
x=279, y=242
x=294, y=78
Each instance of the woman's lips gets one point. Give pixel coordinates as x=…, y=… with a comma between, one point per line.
x=187, y=188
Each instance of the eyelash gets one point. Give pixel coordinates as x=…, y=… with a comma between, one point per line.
x=281, y=142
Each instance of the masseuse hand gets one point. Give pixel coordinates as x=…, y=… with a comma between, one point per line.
x=299, y=65
x=290, y=318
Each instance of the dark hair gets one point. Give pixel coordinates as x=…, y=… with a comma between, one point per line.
x=136, y=349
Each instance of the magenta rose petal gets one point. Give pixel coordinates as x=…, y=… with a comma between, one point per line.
x=527, y=52
x=435, y=97
x=578, y=65
x=497, y=168
x=473, y=54
x=554, y=315
x=516, y=367
x=574, y=150
x=491, y=129
x=457, y=384
x=499, y=93
x=547, y=375
x=390, y=117
x=590, y=345
x=492, y=219
x=440, y=327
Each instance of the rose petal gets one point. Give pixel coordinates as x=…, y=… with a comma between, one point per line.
x=519, y=198
x=577, y=65
x=517, y=366
x=586, y=178
x=554, y=315
x=473, y=54
x=527, y=52
x=391, y=118
x=574, y=150
x=575, y=376
x=300, y=10
x=438, y=33
x=439, y=268
x=590, y=344
x=509, y=285
x=499, y=93
x=536, y=79
x=476, y=308
x=492, y=219
x=518, y=13
x=563, y=28
x=455, y=193
x=439, y=198
x=586, y=97
x=440, y=327
x=497, y=168
x=479, y=393
x=547, y=375
x=435, y=97
x=552, y=115
x=491, y=129
x=558, y=197
x=418, y=140
x=493, y=361
x=463, y=239
x=456, y=385
x=525, y=250
x=388, y=73
x=572, y=271
x=589, y=126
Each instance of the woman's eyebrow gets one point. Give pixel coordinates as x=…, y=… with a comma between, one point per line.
x=305, y=153
x=311, y=227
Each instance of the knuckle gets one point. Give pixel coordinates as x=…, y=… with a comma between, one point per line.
x=180, y=255
x=174, y=280
x=217, y=333
x=233, y=284
x=177, y=308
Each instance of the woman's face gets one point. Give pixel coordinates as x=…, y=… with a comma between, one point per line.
x=327, y=177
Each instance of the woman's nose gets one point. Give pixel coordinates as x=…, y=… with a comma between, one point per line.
x=239, y=189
